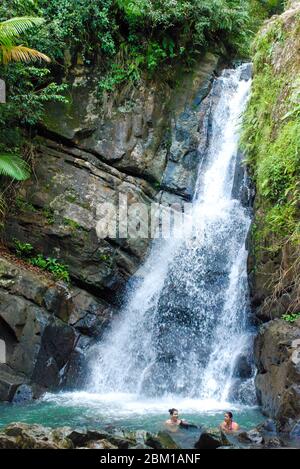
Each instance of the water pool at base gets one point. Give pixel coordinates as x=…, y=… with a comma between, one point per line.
x=125, y=412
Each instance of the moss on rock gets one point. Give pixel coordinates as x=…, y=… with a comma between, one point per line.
x=271, y=139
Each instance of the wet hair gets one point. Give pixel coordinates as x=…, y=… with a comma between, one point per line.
x=230, y=415
x=171, y=411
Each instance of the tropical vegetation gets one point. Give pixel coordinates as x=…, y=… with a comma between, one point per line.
x=12, y=164
x=127, y=39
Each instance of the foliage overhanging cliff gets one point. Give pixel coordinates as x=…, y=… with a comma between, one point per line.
x=125, y=38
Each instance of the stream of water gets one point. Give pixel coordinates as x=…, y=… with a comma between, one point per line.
x=185, y=326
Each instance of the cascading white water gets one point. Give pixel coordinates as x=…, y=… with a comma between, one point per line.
x=185, y=326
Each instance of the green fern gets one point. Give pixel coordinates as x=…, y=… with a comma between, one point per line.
x=14, y=166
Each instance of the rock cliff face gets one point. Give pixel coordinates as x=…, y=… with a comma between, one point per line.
x=46, y=327
x=277, y=350
x=144, y=148
x=272, y=131
x=146, y=151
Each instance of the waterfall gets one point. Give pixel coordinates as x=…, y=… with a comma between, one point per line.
x=184, y=329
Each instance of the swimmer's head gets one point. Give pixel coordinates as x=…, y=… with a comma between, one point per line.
x=228, y=416
x=173, y=412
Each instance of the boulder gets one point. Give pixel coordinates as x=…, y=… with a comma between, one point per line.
x=31, y=436
x=83, y=437
x=9, y=383
x=212, y=439
x=57, y=345
x=253, y=437
x=277, y=355
x=100, y=444
x=167, y=441
x=243, y=367
x=80, y=437
x=162, y=440
x=23, y=394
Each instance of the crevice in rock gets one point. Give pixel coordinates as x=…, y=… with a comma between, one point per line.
x=8, y=335
x=112, y=297
x=182, y=195
x=60, y=140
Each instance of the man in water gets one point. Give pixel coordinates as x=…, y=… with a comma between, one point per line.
x=229, y=425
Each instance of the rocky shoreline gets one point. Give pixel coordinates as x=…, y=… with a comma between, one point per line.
x=32, y=436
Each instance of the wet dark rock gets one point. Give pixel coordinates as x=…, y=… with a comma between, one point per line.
x=277, y=355
x=242, y=391
x=242, y=188
x=162, y=440
x=251, y=437
x=153, y=441
x=212, y=439
x=268, y=426
x=80, y=437
x=75, y=375
x=57, y=345
x=166, y=441
x=247, y=72
x=24, y=393
x=243, y=368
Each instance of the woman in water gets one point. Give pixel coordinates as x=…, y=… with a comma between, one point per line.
x=173, y=423
x=229, y=425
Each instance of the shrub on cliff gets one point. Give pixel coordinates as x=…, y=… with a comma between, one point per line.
x=271, y=139
x=125, y=38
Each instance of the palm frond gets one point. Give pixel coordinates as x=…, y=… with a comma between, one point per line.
x=12, y=28
x=2, y=208
x=21, y=54
x=5, y=40
x=14, y=166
